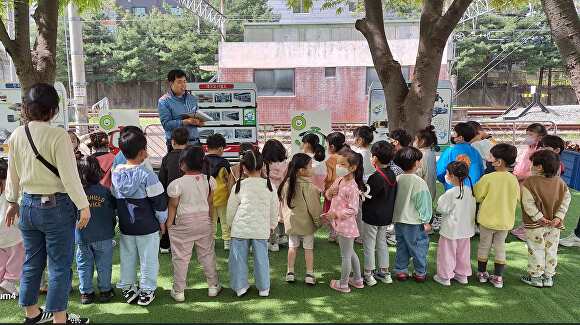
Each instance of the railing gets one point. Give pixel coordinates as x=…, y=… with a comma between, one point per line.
x=512, y=131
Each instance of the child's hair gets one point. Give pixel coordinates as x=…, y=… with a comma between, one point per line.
x=365, y=133
x=90, y=171
x=427, y=137
x=98, y=140
x=131, y=128
x=384, y=151
x=549, y=160
x=460, y=170
x=337, y=140
x=216, y=141
x=538, y=129
x=476, y=125
x=273, y=151
x=314, y=141
x=407, y=157
x=3, y=168
x=466, y=131
x=246, y=146
x=192, y=158
x=252, y=161
x=552, y=141
x=180, y=136
x=131, y=143
x=355, y=159
x=401, y=136
x=299, y=160
x=71, y=132
x=505, y=152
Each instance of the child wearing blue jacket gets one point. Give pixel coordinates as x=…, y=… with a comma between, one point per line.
x=462, y=150
x=142, y=209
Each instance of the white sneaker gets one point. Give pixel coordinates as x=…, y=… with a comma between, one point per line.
x=242, y=291
x=391, y=239
x=369, y=279
x=264, y=293
x=226, y=245
x=570, y=241
x=274, y=247
x=114, y=242
x=177, y=296
x=283, y=240
x=214, y=291
x=9, y=287
x=164, y=250
x=441, y=281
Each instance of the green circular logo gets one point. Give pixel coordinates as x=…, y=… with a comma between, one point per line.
x=298, y=122
x=107, y=122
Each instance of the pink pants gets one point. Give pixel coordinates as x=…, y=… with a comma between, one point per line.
x=453, y=258
x=192, y=231
x=11, y=260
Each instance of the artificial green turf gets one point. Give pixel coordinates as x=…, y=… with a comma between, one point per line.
x=398, y=302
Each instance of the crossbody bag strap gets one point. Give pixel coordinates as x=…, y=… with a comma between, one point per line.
x=45, y=162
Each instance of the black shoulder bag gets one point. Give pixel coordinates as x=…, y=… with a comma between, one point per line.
x=45, y=162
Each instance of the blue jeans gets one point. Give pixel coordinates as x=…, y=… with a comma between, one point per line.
x=48, y=230
x=412, y=241
x=144, y=251
x=238, y=263
x=100, y=255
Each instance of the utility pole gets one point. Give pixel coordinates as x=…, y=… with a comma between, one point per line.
x=78, y=67
x=10, y=22
x=223, y=23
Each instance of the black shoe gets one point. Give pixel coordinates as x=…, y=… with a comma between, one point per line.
x=87, y=298
x=43, y=317
x=145, y=298
x=76, y=319
x=130, y=295
x=106, y=296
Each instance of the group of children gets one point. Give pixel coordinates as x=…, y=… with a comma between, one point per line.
x=374, y=194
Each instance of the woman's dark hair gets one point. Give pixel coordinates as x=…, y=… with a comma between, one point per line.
x=384, y=151
x=365, y=133
x=40, y=103
x=336, y=140
x=252, y=161
x=538, y=129
x=407, y=157
x=175, y=74
x=552, y=141
x=427, y=137
x=272, y=152
x=466, y=131
x=355, y=159
x=505, y=152
x=314, y=141
x=90, y=171
x=460, y=170
x=3, y=168
x=401, y=136
x=549, y=160
x=98, y=140
x=300, y=160
x=192, y=158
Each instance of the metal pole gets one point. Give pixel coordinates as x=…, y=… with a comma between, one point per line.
x=78, y=66
x=10, y=20
x=223, y=24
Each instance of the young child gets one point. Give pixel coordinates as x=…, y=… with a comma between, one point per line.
x=335, y=142
x=11, y=248
x=555, y=144
x=363, y=138
x=170, y=170
x=545, y=201
x=120, y=159
x=219, y=168
x=482, y=142
x=413, y=211
x=301, y=210
x=534, y=134
x=99, y=145
x=312, y=147
x=275, y=167
x=457, y=208
x=426, y=140
x=142, y=210
x=236, y=172
x=76, y=142
x=377, y=214
x=462, y=150
x=190, y=224
x=252, y=215
x=345, y=194
x=400, y=139
x=95, y=241
x=498, y=194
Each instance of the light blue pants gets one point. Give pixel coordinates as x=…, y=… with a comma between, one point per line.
x=97, y=255
x=238, y=263
x=144, y=251
x=412, y=242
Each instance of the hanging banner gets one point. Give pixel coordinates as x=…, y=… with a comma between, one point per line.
x=315, y=122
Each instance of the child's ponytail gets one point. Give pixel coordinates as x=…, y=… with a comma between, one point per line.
x=252, y=161
x=460, y=170
x=299, y=161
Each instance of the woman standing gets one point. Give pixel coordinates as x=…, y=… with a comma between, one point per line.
x=42, y=166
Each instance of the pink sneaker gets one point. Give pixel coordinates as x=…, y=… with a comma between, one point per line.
x=335, y=284
x=483, y=277
x=497, y=281
x=519, y=232
x=359, y=284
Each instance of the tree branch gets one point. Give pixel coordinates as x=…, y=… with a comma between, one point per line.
x=451, y=18
x=22, y=26
x=6, y=40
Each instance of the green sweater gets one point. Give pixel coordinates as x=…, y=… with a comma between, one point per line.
x=413, y=205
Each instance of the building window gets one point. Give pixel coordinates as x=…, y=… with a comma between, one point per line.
x=275, y=82
x=139, y=11
x=373, y=77
x=175, y=11
x=330, y=72
x=300, y=7
x=352, y=6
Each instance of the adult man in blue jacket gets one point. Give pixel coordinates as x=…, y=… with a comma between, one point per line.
x=176, y=105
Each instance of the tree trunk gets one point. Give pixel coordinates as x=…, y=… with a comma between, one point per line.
x=565, y=27
x=508, y=88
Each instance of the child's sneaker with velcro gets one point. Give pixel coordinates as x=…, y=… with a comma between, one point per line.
x=483, y=277
x=369, y=279
x=384, y=277
x=496, y=281
x=130, y=295
x=534, y=281
x=146, y=297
